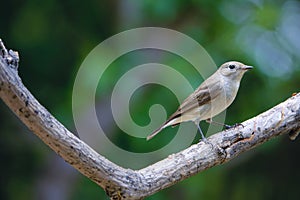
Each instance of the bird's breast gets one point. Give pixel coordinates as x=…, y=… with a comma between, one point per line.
x=227, y=94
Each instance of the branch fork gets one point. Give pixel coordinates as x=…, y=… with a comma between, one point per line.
x=120, y=183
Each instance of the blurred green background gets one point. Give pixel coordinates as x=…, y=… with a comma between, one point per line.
x=53, y=37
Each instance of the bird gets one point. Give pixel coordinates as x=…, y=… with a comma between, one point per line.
x=212, y=97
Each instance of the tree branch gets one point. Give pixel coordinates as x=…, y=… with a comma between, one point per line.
x=120, y=183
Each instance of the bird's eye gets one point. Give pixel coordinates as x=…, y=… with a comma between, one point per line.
x=231, y=66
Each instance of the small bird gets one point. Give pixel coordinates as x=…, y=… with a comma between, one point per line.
x=213, y=96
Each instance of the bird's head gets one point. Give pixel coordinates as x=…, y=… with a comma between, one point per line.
x=234, y=70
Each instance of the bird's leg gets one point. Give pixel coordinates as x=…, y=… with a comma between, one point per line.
x=210, y=121
x=200, y=131
x=202, y=135
x=221, y=151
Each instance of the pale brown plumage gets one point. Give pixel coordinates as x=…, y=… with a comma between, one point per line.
x=213, y=96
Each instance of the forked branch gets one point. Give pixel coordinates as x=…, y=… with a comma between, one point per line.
x=120, y=183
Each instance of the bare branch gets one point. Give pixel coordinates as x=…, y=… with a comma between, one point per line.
x=120, y=183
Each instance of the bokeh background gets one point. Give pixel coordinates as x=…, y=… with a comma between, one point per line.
x=53, y=37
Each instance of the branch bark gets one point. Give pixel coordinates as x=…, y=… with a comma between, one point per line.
x=120, y=183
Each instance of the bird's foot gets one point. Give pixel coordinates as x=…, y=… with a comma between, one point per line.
x=206, y=142
x=233, y=126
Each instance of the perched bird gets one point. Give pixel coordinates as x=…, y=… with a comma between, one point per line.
x=213, y=96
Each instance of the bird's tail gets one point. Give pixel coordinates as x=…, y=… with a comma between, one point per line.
x=167, y=123
x=154, y=133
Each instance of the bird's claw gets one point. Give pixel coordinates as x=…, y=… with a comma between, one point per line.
x=233, y=126
x=206, y=142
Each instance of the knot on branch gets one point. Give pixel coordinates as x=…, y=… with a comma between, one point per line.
x=11, y=58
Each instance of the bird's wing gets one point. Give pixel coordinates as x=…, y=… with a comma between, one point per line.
x=202, y=95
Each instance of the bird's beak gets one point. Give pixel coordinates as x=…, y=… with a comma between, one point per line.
x=246, y=67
